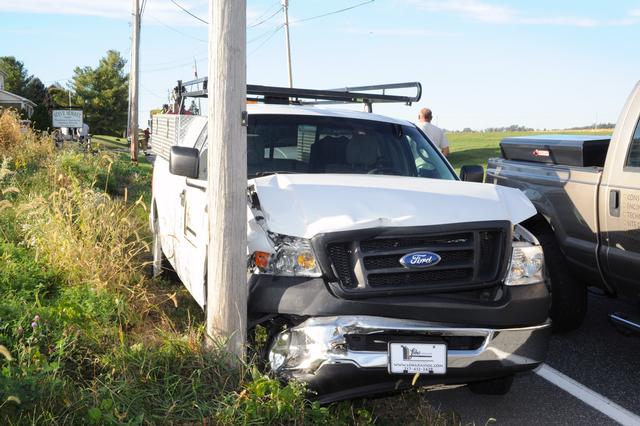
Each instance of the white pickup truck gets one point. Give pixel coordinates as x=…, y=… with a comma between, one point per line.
x=368, y=259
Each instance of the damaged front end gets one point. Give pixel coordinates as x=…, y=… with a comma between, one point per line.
x=350, y=353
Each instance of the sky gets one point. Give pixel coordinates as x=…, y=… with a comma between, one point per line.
x=482, y=63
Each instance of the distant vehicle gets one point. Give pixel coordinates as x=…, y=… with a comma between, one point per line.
x=369, y=261
x=586, y=190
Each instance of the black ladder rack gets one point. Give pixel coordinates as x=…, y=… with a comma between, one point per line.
x=297, y=96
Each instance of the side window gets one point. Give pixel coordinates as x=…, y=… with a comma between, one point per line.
x=633, y=159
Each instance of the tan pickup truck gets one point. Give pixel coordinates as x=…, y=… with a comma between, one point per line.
x=586, y=190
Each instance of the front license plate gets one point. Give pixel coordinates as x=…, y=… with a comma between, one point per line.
x=423, y=358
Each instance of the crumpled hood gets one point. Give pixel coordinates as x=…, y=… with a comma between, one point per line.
x=304, y=205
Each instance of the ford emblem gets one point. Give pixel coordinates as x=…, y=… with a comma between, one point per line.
x=420, y=259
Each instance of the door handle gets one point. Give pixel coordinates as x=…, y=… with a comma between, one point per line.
x=614, y=203
x=182, y=196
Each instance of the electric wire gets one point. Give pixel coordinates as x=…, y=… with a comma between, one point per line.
x=267, y=11
x=332, y=13
x=177, y=30
x=144, y=4
x=264, y=34
x=266, y=19
x=272, y=33
x=189, y=12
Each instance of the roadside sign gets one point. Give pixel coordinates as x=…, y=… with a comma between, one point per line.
x=67, y=118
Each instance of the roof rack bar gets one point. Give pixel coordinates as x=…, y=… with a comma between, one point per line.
x=343, y=95
x=414, y=84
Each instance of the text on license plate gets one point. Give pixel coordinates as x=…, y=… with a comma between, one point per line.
x=423, y=358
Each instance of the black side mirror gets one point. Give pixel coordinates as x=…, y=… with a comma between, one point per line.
x=472, y=173
x=184, y=161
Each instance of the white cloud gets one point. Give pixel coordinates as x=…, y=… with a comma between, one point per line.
x=164, y=10
x=482, y=11
x=473, y=9
x=562, y=21
x=399, y=32
x=108, y=9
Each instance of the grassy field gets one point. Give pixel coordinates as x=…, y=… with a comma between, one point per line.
x=476, y=147
x=109, y=142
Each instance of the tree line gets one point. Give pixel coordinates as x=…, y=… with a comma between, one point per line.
x=101, y=92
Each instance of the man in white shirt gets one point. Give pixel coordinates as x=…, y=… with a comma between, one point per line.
x=434, y=133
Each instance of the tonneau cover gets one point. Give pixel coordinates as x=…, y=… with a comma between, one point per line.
x=570, y=150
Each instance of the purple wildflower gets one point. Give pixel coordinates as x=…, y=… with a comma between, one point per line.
x=34, y=324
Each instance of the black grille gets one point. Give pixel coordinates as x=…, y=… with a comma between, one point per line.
x=469, y=260
x=393, y=261
x=422, y=277
x=414, y=242
x=340, y=255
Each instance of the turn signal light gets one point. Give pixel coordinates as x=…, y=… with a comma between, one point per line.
x=306, y=260
x=261, y=258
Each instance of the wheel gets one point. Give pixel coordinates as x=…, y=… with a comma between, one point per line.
x=568, y=295
x=499, y=386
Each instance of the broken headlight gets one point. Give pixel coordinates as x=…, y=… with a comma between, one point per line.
x=292, y=257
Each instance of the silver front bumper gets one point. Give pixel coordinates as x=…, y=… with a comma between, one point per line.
x=320, y=341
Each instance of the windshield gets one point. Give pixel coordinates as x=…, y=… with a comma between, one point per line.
x=316, y=144
x=312, y=144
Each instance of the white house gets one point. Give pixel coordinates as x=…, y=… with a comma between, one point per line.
x=11, y=100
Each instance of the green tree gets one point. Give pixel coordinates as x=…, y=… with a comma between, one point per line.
x=17, y=75
x=58, y=96
x=35, y=91
x=102, y=92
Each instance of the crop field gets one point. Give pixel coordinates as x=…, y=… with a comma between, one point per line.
x=477, y=147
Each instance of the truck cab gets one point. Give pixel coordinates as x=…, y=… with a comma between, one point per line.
x=369, y=262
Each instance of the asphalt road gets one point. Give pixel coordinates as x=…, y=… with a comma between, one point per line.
x=596, y=355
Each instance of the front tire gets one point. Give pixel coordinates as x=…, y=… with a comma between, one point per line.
x=160, y=263
x=568, y=295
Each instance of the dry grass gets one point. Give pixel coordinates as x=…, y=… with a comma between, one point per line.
x=23, y=148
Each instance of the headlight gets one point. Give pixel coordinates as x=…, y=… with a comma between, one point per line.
x=292, y=257
x=527, y=259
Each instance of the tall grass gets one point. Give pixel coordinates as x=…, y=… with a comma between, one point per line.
x=86, y=337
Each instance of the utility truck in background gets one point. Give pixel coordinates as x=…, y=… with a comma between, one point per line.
x=369, y=261
x=586, y=191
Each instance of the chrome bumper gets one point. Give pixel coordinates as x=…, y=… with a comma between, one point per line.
x=320, y=341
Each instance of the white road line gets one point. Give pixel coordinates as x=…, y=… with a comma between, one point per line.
x=589, y=397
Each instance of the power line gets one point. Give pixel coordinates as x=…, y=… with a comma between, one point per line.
x=266, y=19
x=268, y=10
x=181, y=65
x=200, y=56
x=271, y=34
x=332, y=13
x=152, y=93
x=266, y=33
x=189, y=12
x=177, y=30
x=144, y=3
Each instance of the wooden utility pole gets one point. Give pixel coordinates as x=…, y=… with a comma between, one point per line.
x=227, y=176
x=285, y=7
x=133, y=82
